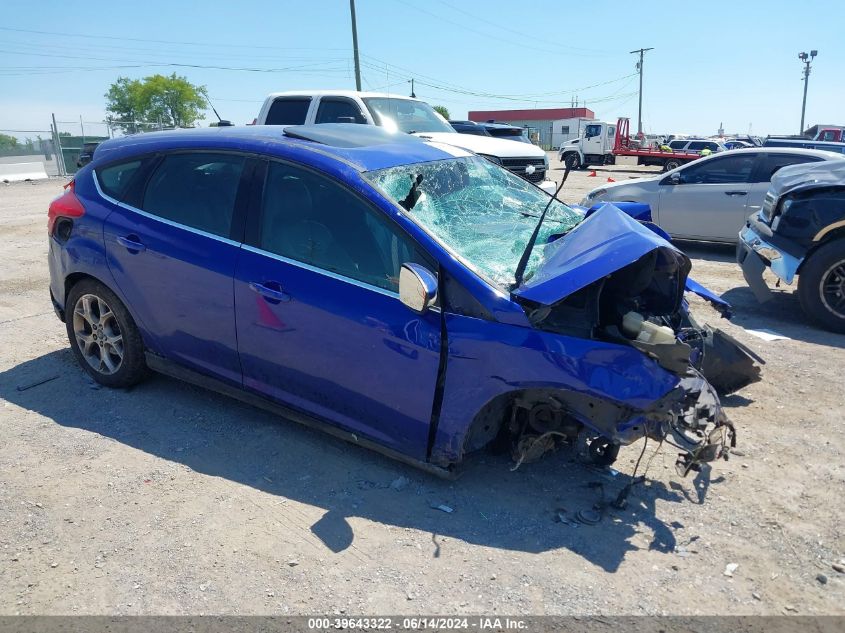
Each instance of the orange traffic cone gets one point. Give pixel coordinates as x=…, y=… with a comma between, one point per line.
x=609, y=179
x=592, y=174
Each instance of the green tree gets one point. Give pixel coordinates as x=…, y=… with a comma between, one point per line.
x=136, y=105
x=8, y=142
x=442, y=111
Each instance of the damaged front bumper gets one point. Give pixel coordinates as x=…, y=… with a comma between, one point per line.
x=691, y=419
x=757, y=251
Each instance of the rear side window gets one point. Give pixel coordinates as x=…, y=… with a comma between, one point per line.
x=771, y=163
x=288, y=111
x=339, y=111
x=196, y=189
x=114, y=180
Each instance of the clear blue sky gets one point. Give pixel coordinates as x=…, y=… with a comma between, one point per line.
x=713, y=62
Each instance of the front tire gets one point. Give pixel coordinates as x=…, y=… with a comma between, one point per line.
x=103, y=336
x=821, y=286
x=572, y=161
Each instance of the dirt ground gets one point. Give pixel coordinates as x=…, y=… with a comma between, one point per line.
x=168, y=499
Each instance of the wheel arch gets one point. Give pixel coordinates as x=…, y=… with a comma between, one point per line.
x=598, y=415
x=832, y=236
x=75, y=278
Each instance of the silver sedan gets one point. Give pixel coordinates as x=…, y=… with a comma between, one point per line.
x=710, y=198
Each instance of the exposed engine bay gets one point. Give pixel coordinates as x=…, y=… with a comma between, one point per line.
x=641, y=305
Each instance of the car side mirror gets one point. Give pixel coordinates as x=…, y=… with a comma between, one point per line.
x=417, y=287
x=675, y=179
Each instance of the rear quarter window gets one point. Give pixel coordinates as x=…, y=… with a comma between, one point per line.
x=114, y=180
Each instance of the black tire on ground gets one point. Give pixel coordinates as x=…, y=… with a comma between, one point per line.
x=821, y=286
x=670, y=164
x=108, y=333
x=572, y=161
x=603, y=452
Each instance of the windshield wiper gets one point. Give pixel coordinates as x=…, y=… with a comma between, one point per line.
x=526, y=254
x=413, y=193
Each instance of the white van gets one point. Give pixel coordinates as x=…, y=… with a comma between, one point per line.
x=404, y=114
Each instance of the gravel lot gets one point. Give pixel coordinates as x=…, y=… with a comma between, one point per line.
x=169, y=499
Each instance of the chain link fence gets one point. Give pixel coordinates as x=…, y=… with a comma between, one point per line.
x=58, y=145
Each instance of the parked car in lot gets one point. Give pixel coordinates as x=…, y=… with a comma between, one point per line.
x=396, y=113
x=710, y=198
x=403, y=294
x=469, y=127
x=86, y=154
x=696, y=145
x=801, y=231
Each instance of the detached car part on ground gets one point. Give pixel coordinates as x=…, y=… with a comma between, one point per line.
x=801, y=231
x=402, y=294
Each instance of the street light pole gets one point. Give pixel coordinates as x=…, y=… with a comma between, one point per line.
x=355, y=46
x=641, y=51
x=807, y=60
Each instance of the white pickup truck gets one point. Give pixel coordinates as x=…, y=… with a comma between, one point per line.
x=404, y=114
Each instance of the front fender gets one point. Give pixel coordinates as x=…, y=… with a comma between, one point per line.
x=486, y=359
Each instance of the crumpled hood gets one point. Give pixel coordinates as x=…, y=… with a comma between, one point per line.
x=486, y=144
x=603, y=243
x=826, y=172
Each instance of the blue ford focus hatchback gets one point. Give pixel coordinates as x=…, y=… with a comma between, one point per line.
x=405, y=295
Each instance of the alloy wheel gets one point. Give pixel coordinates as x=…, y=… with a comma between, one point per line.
x=832, y=289
x=98, y=334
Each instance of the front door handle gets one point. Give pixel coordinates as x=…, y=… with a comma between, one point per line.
x=736, y=193
x=131, y=243
x=270, y=290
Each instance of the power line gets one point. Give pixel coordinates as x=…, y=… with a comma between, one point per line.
x=181, y=43
x=532, y=36
x=521, y=45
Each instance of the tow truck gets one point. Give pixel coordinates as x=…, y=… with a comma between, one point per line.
x=596, y=148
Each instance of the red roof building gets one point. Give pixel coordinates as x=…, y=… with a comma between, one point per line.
x=535, y=114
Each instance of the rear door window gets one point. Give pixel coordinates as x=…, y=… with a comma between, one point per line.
x=334, y=110
x=771, y=163
x=114, y=180
x=677, y=144
x=196, y=189
x=288, y=111
x=696, y=146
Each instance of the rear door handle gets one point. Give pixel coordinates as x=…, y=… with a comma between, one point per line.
x=131, y=244
x=269, y=292
x=736, y=193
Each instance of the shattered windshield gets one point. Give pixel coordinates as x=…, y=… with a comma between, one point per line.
x=480, y=211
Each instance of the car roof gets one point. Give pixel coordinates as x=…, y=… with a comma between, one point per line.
x=501, y=126
x=338, y=93
x=362, y=147
x=787, y=150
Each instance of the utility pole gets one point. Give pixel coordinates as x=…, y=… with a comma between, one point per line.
x=641, y=51
x=806, y=60
x=355, y=46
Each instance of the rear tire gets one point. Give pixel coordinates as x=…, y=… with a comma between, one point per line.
x=821, y=286
x=671, y=164
x=103, y=336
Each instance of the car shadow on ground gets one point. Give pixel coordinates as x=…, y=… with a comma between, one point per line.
x=533, y=509
x=708, y=251
x=782, y=315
